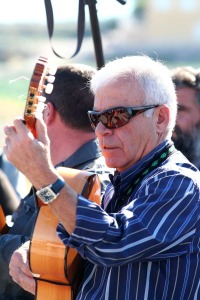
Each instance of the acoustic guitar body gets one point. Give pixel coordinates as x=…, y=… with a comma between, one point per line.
x=58, y=268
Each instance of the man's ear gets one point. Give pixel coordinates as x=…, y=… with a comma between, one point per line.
x=163, y=115
x=49, y=113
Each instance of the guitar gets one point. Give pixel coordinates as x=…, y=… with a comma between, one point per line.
x=57, y=269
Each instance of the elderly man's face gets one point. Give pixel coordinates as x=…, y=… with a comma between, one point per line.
x=124, y=146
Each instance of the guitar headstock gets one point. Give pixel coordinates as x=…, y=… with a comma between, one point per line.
x=34, y=100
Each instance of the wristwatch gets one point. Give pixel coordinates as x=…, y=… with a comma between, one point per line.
x=49, y=193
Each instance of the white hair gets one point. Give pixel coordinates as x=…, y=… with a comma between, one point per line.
x=153, y=77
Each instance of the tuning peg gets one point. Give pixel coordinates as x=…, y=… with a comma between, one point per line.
x=40, y=107
x=50, y=78
x=41, y=99
x=49, y=88
x=52, y=70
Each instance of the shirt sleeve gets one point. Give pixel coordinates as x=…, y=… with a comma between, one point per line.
x=160, y=220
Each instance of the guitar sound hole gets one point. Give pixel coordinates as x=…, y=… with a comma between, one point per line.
x=29, y=112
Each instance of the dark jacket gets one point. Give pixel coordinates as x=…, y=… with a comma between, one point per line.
x=88, y=157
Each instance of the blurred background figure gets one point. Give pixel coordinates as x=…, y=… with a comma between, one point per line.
x=17, y=180
x=13, y=186
x=186, y=135
x=8, y=198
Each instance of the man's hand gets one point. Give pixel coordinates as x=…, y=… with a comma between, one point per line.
x=19, y=269
x=29, y=155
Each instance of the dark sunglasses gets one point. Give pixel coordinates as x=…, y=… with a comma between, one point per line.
x=116, y=116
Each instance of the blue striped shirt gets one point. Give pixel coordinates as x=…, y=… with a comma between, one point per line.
x=150, y=248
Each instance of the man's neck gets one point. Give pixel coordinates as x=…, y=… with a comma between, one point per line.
x=66, y=142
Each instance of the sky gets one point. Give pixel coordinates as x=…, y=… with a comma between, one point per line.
x=22, y=11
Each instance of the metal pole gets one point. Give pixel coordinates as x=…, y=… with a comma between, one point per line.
x=96, y=33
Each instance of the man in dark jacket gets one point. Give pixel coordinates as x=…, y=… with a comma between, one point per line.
x=73, y=144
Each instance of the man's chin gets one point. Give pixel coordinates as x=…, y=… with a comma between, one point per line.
x=110, y=163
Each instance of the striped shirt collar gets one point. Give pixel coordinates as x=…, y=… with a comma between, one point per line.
x=124, y=177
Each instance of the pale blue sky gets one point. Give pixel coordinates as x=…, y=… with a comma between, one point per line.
x=15, y=11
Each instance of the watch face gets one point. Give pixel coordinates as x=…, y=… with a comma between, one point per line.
x=46, y=195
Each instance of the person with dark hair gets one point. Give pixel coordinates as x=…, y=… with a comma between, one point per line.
x=73, y=144
x=143, y=241
x=187, y=130
x=78, y=96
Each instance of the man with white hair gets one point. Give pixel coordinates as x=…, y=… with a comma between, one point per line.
x=143, y=241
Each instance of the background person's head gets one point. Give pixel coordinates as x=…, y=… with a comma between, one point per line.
x=187, y=130
x=66, y=118
x=131, y=82
x=71, y=95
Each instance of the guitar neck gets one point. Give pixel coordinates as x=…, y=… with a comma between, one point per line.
x=35, y=91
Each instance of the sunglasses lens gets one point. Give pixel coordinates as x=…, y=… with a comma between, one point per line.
x=112, y=118
x=94, y=120
x=119, y=117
